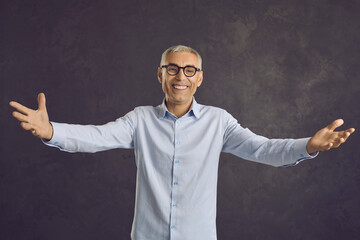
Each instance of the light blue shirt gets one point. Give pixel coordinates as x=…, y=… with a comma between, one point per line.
x=177, y=163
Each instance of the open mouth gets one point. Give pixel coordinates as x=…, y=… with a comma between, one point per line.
x=179, y=87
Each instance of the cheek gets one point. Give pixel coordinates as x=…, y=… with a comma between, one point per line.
x=195, y=84
x=165, y=86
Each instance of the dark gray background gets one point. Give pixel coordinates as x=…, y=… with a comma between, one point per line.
x=283, y=68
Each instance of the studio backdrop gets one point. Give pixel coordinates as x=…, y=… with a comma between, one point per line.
x=283, y=69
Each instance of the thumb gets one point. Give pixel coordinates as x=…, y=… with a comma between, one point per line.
x=335, y=124
x=42, y=101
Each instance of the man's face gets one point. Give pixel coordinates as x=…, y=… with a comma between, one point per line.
x=180, y=89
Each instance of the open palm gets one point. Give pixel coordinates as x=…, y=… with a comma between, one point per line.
x=36, y=121
x=327, y=138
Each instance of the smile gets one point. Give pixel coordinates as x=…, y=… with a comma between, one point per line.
x=180, y=87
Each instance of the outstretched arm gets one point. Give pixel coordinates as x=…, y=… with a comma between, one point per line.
x=36, y=121
x=326, y=138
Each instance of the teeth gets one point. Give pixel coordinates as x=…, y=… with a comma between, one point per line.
x=179, y=87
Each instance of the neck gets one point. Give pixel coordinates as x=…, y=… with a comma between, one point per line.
x=178, y=110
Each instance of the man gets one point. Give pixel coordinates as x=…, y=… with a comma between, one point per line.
x=177, y=147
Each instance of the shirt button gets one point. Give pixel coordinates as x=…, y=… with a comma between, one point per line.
x=173, y=226
x=174, y=205
x=176, y=161
x=175, y=183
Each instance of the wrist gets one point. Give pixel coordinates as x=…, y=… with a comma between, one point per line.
x=310, y=148
x=50, y=132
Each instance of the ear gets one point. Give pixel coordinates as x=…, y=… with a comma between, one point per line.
x=200, y=78
x=160, y=75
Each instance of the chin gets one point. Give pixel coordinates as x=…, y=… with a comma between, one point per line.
x=179, y=101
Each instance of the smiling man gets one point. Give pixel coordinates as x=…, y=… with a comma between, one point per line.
x=177, y=147
x=180, y=83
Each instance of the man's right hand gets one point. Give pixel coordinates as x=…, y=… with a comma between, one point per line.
x=36, y=121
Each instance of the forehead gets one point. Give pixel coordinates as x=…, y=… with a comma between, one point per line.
x=182, y=59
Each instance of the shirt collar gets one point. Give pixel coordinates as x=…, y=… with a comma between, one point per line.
x=194, y=109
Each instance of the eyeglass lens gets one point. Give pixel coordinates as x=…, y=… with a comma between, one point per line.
x=188, y=71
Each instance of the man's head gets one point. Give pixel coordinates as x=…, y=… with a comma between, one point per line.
x=180, y=75
x=180, y=48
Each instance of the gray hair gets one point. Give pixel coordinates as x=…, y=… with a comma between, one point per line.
x=180, y=48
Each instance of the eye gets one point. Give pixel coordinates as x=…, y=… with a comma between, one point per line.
x=172, y=69
x=190, y=70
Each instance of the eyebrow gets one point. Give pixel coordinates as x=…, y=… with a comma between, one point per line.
x=185, y=65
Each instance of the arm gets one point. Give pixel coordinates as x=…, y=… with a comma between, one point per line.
x=280, y=152
x=76, y=138
x=92, y=138
x=275, y=152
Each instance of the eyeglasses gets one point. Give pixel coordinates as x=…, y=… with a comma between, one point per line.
x=173, y=69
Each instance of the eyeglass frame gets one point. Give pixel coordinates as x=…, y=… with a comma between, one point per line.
x=183, y=68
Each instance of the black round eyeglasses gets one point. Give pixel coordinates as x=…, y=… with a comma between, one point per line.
x=173, y=69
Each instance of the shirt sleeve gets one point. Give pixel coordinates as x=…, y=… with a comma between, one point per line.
x=276, y=152
x=92, y=138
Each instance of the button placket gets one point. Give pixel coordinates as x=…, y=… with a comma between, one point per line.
x=175, y=180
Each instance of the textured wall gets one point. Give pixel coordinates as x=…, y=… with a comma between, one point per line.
x=282, y=68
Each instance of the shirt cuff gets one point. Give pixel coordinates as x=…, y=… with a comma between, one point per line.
x=300, y=152
x=59, y=136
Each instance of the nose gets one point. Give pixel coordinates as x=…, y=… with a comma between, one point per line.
x=180, y=75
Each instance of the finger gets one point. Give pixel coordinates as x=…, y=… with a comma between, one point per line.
x=34, y=132
x=329, y=146
x=338, y=143
x=20, y=117
x=26, y=126
x=335, y=124
x=346, y=135
x=350, y=130
x=20, y=108
x=42, y=101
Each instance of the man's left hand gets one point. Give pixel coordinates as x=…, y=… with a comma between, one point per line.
x=326, y=138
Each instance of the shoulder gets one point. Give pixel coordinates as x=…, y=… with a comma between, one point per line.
x=146, y=112
x=139, y=115
x=216, y=114
x=144, y=109
x=211, y=110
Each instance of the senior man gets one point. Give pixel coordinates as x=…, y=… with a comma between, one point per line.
x=177, y=147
